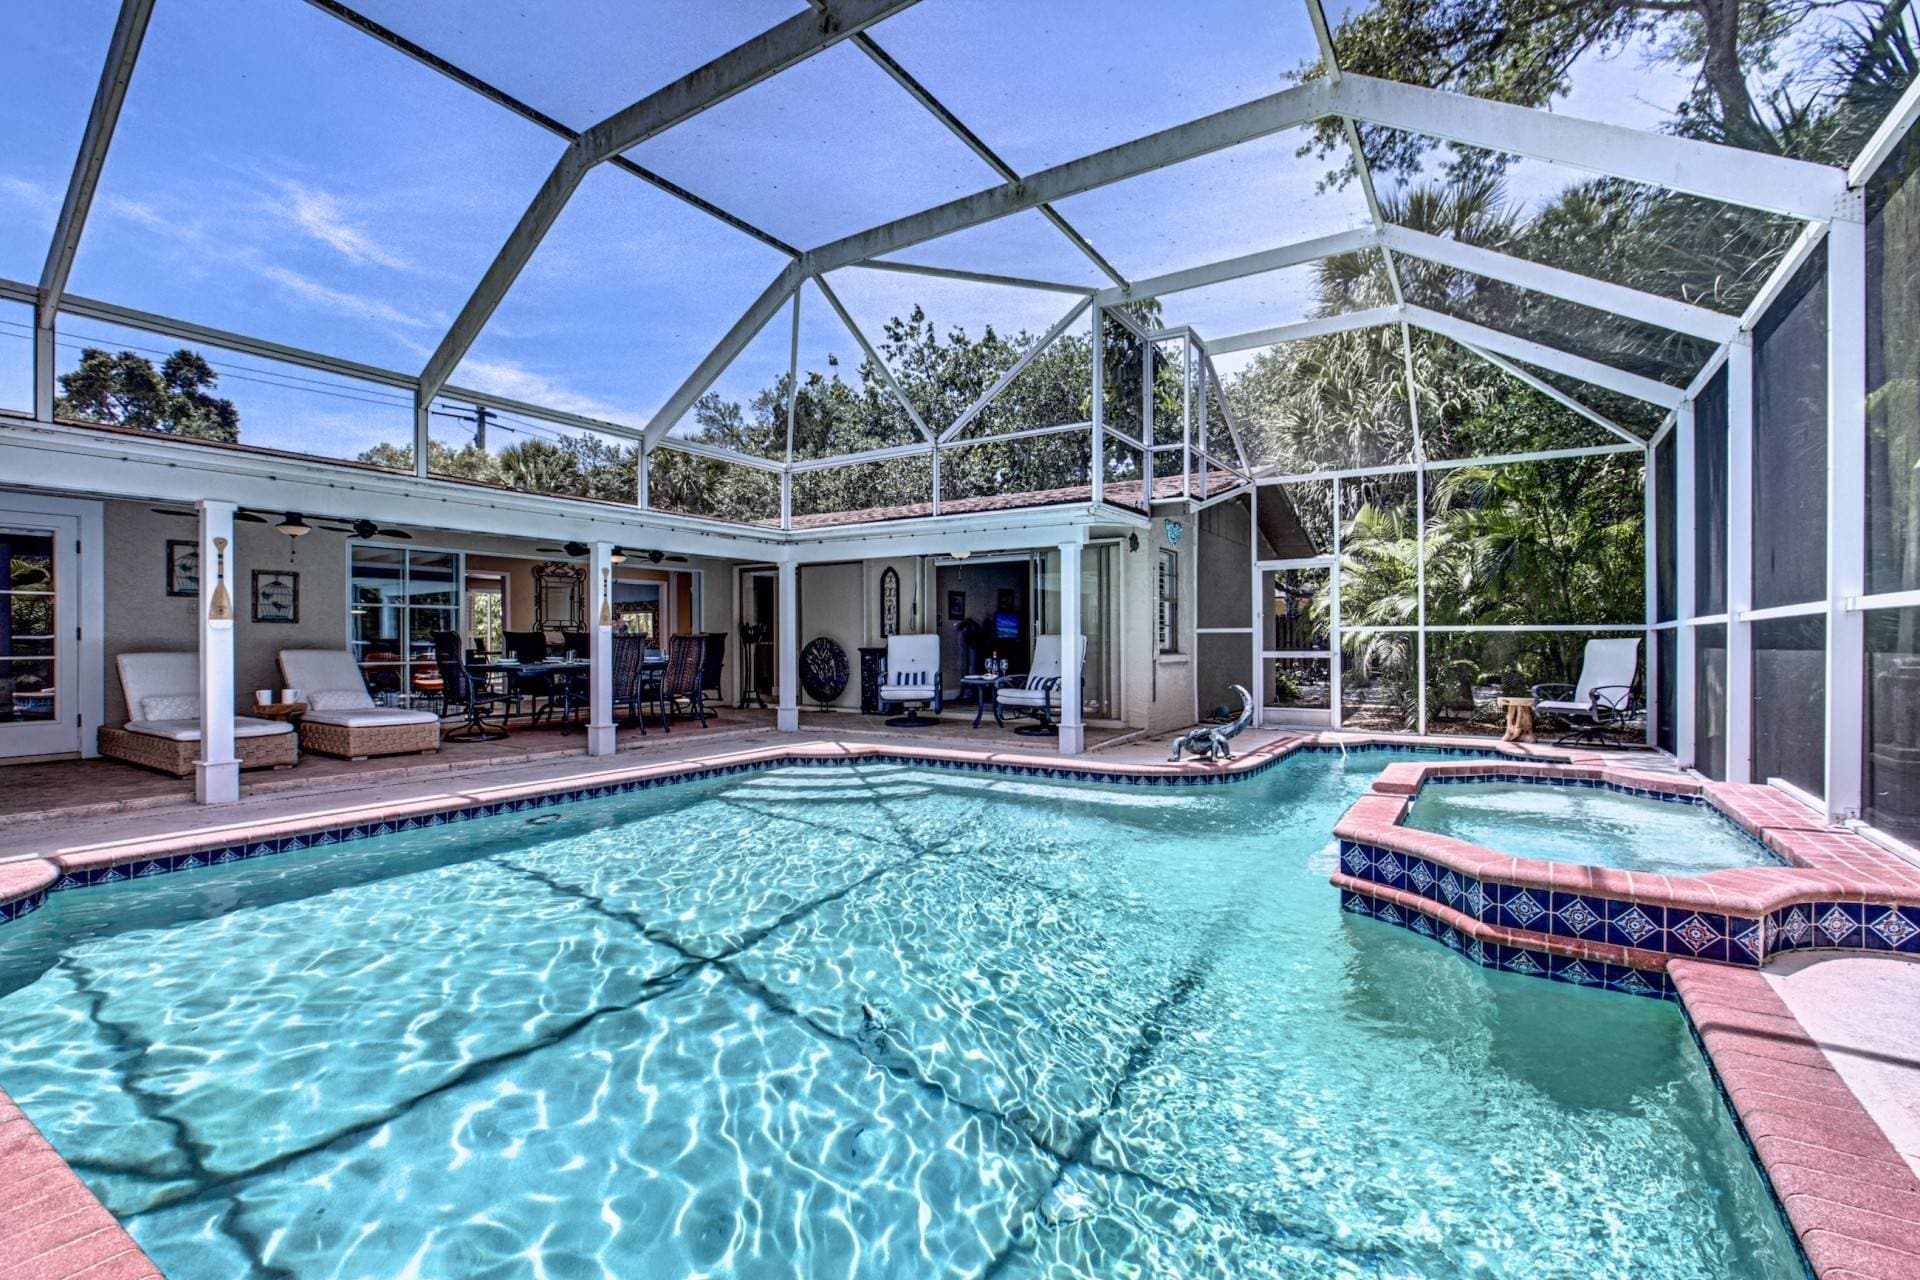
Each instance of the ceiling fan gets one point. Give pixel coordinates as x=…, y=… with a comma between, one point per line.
x=580, y=550
x=294, y=524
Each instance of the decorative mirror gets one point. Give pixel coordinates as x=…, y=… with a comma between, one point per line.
x=559, y=597
x=889, y=604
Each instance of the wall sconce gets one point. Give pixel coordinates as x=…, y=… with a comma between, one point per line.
x=1133, y=543
x=220, y=603
x=606, y=597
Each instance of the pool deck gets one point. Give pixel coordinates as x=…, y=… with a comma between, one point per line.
x=1818, y=1061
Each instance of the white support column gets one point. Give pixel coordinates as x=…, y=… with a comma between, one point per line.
x=1335, y=676
x=1650, y=557
x=1256, y=614
x=1420, y=581
x=643, y=464
x=787, y=718
x=1073, y=730
x=601, y=734
x=1685, y=690
x=216, y=773
x=422, y=431
x=43, y=365
x=1846, y=501
x=1740, y=559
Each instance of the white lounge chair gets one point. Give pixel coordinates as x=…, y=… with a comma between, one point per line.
x=341, y=718
x=1605, y=701
x=163, y=727
x=1037, y=693
x=913, y=679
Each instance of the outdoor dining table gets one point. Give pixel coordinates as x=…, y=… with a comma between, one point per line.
x=557, y=667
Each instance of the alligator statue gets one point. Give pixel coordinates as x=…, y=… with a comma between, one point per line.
x=1213, y=740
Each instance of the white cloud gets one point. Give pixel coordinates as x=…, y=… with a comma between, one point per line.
x=339, y=299
x=517, y=382
x=33, y=197
x=321, y=216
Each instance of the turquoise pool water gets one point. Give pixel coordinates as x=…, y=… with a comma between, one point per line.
x=858, y=1022
x=1587, y=824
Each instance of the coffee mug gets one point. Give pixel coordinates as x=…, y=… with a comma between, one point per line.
x=290, y=695
x=263, y=697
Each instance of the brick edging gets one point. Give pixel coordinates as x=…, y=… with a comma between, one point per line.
x=1851, y=1199
x=56, y=1229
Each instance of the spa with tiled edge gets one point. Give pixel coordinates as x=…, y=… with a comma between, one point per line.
x=1701, y=940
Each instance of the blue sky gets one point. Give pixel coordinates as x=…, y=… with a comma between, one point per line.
x=277, y=173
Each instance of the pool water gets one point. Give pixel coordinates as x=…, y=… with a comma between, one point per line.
x=1592, y=825
x=864, y=1021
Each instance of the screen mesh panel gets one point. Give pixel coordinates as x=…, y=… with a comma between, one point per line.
x=1893, y=373
x=1789, y=701
x=1710, y=701
x=1893, y=731
x=1790, y=443
x=1710, y=497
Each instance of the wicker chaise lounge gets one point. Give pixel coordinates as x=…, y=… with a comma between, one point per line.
x=341, y=718
x=163, y=699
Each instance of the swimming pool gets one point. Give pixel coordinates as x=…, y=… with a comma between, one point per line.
x=858, y=1021
x=1588, y=824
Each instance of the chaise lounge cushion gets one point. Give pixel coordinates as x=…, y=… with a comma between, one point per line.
x=163, y=690
x=370, y=717
x=337, y=695
x=189, y=730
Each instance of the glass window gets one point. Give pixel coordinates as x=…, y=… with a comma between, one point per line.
x=1790, y=702
x=1166, y=618
x=1710, y=701
x=1790, y=443
x=116, y=376
x=277, y=173
x=1893, y=722
x=1710, y=497
x=1893, y=373
x=397, y=598
x=27, y=626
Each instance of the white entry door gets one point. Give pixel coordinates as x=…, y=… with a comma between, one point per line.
x=40, y=679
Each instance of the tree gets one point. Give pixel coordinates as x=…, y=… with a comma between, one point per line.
x=126, y=390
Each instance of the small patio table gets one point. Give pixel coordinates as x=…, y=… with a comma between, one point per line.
x=1519, y=719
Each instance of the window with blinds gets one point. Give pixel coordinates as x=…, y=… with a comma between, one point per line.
x=1167, y=618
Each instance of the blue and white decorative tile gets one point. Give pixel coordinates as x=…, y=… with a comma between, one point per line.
x=1521, y=908
x=1631, y=924
x=1420, y=877
x=1839, y=924
x=1355, y=859
x=1577, y=916
x=1749, y=945
x=1475, y=900
x=1451, y=889
x=1893, y=929
x=1698, y=933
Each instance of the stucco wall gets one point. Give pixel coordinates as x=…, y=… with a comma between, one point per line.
x=142, y=617
x=831, y=606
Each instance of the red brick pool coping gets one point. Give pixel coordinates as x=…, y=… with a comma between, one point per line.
x=1851, y=1199
x=1823, y=865
x=54, y=1228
